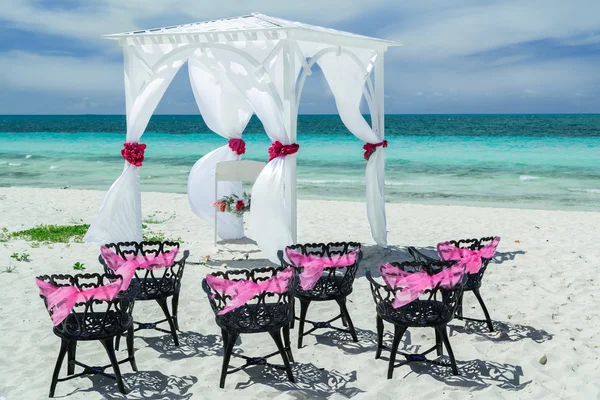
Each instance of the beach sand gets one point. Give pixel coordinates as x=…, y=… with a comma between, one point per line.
x=541, y=290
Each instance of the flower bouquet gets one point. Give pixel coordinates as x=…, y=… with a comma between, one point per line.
x=233, y=204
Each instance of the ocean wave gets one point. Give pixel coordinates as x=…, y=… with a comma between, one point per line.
x=523, y=178
x=28, y=156
x=11, y=164
x=584, y=190
x=53, y=167
x=327, y=181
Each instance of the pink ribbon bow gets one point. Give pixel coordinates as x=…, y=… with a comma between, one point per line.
x=62, y=299
x=414, y=284
x=471, y=258
x=281, y=150
x=126, y=268
x=314, y=266
x=242, y=291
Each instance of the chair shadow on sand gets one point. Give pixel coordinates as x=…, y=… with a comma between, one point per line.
x=476, y=374
x=191, y=344
x=150, y=385
x=503, y=331
x=311, y=381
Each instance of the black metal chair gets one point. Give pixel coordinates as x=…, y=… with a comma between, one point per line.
x=155, y=284
x=102, y=320
x=474, y=281
x=335, y=284
x=266, y=312
x=434, y=309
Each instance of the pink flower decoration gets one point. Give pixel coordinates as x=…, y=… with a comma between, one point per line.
x=238, y=146
x=370, y=148
x=281, y=150
x=239, y=204
x=133, y=153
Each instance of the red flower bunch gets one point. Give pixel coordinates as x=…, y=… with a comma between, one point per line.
x=370, y=148
x=238, y=146
x=220, y=205
x=281, y=150
x=239, y=205
x=133, y=153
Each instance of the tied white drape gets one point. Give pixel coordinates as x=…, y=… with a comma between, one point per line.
x=226, y=112
x=269, y=220
x=146, y=79
x=346, y=77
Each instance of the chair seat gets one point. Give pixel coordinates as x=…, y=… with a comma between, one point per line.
x=326, y=288
x=156, y=288
x=109, y=324
x=255, y=318
x=419, y=313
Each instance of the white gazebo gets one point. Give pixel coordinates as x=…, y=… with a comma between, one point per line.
x=241, y=66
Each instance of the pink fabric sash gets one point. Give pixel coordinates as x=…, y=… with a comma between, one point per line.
x=472, y=258
x=62, y=299
x=414, y=284
x=314, y=266
x=126, y=268
x=242, y=291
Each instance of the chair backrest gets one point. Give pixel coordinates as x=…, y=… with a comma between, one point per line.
x=238, y=170
x=335, y=280
x=153, y=282
x=94, y=317
x=475, y=244
x=383, y=295
x=262, y=310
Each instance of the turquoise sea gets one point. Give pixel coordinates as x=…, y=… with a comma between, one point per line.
x=524, y=161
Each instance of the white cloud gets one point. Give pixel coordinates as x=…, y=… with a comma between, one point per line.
x=466, y=30
x=60, y=74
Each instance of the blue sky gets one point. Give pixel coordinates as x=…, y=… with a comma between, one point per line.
x=462, y=56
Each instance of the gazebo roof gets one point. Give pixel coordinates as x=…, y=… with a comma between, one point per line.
x=251, y=27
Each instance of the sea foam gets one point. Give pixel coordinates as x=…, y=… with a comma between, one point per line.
x=528, y=178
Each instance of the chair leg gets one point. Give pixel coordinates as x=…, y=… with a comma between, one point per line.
x=276, y=335
x=163, y=305
x=71, y=357
x=229, y=342
x=286, y=342
x=64, y=347
x=438, y=342
x=398, y=333
x=485, y=311
x=130, y=350
x=444, y=334
x=175, y=308
x=459, y=308
x=110, y=350
x=303, y=310
x=379, y=337
x=345, y=315
x=293, y=305
x=117, y=342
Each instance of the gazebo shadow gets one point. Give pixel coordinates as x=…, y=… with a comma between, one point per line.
x=503, y=331
x=149, y=385
x=311, y=381
x=191, y=344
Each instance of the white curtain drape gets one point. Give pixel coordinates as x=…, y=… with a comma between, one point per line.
x=147, y=75
x=226, y=112
x=269, y=220
x=346, y=77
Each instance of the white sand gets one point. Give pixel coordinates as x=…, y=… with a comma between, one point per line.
x=542, y=292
